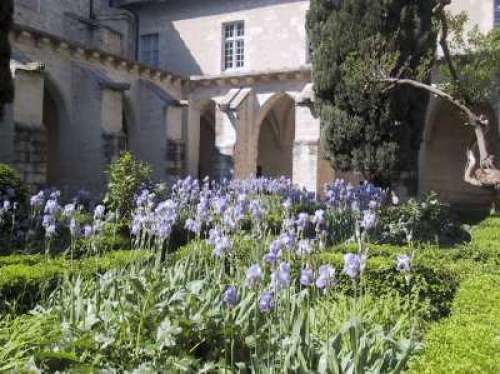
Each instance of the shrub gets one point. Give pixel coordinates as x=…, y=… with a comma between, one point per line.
x=23, y=283
x=467, y=342
x=11, y=186
x=125, y=176
x=426, y=221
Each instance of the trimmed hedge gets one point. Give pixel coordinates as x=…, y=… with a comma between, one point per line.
x=468, y=341
x=23, y=283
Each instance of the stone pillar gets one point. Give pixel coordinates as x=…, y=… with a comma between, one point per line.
x=306, y=150
x=193, y=140
x=225, y=142
x=246, y=150
x=30, y=138
x=112, y=123
x=175, y=141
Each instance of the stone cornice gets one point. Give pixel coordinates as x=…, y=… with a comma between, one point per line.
x=87, y=53
x=250, y=78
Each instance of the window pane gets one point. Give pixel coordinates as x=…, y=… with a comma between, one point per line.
x=150, y=51
x=240, y=29
x=229, y=31
x=234, y=45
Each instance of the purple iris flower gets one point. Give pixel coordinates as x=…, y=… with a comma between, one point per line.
x=326, y=278
x=266, y=302
x=288, y=240
x=256, y=210
x=319, y=217
x=74, y=228
x=50, y=231
x=214, y=236
x=87, y=231
x=222, y=246
x=6, y=205
x=51, y=207
x=281, y=278
x=99, y=212
x=307, y=277
x=192, y=225
x=369, y=219
x=302, y=220
x=274, y=252
x=37, y=200
x=254, y=275
x=403, y=264
x=304, y=248
x=354, y=264
x=230, y=297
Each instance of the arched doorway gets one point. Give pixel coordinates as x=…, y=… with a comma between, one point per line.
x=276, y=138
x=51, y=122
x=207, y=149
x=444, y=156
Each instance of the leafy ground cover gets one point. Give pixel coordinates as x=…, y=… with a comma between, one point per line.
x=246, y=276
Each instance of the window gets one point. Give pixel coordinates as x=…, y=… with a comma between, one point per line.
x=497, y=12
x=150, y=52
x=234, y=45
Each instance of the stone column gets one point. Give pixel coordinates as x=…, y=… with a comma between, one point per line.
x=112, y=124
x=225, y=142
x=30, y=138
x=193, y=140
x=306, y=150
x=175, y=141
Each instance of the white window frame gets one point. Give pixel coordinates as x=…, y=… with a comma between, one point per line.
x=233, y=46
x=149, y=55
x=496, y=13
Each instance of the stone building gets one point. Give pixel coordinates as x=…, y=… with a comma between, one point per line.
x=218, y=88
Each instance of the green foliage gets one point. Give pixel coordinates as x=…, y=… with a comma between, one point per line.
x=125, y=177
x=374, y=132
x=11, y=182
x=467, y=342
x=485, y=244
x=424, y=221
x=23, y=282
x=476, y=63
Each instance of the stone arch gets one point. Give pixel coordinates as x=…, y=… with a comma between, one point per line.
x=55, y=117
x=275, y=136
x=207, y=149
x=128, y=122
x=446, y=139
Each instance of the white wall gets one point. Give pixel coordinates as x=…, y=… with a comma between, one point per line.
x=481, y=12
x=191, y=33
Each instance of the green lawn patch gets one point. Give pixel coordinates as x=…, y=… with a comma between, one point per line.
x=468, y=341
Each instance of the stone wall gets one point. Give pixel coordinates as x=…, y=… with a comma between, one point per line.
x=30, y=146
x=93, y=95
x=190, y=33
x=106, y=28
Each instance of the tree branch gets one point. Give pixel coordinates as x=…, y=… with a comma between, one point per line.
x=472, y=118
x=479, y=122
x=443, y=40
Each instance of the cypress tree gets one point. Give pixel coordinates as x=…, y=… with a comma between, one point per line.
x=375, y=133
x=6, y=84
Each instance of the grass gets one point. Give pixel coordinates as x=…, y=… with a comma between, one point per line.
x=469, y=340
